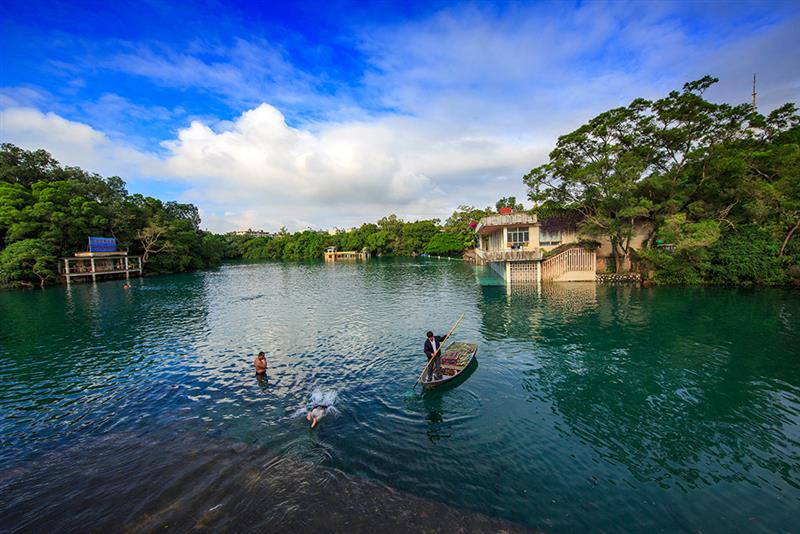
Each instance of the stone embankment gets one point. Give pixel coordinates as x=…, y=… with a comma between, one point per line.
x=619, y=278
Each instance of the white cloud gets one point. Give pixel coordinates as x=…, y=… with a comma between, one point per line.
x=74, y=143
x=369, y=168
x=477, y=98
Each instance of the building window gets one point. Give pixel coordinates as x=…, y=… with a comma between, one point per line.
x=547, y=239
x=518, y=237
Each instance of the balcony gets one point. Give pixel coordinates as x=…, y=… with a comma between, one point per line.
x=508, y=255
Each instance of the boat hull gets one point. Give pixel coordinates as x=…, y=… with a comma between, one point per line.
x=461, y=373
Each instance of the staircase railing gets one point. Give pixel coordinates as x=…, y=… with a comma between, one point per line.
x=573, y=259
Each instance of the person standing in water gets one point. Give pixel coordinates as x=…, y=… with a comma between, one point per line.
x=316, y=413
x=261, y=364
x=432, y=350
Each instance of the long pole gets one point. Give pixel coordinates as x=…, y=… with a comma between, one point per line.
x=438, y=349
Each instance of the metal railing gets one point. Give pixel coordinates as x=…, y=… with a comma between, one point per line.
x=508, y=255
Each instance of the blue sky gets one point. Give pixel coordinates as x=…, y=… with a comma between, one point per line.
x=333, y=113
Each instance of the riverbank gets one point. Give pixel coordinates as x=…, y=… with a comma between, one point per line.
x=182, y=480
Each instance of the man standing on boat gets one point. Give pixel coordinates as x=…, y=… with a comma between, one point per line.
x=432, y=350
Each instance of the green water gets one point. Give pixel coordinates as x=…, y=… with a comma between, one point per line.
x=603, y=408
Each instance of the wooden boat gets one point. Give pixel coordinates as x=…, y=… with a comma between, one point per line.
x=457, y=359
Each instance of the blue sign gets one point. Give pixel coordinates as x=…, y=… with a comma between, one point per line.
x=102, y=244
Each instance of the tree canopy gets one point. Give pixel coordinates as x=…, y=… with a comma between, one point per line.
x=48, y=210
x=699, y=176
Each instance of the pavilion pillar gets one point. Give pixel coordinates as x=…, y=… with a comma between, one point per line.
x=94, y=275
x=127, y=269
x=66, y=270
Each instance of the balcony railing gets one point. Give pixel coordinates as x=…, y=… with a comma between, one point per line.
x=508, y=255
x=489, y=223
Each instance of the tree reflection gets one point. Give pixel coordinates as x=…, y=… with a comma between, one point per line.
x=684, y=387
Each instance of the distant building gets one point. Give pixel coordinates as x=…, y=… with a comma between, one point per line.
x=336, y=230
x=332, y=255
x=254, y=233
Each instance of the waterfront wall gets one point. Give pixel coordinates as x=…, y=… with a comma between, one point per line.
x=619, y=278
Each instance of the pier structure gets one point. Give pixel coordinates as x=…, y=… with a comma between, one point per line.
x=331, y=255
x=102, y=259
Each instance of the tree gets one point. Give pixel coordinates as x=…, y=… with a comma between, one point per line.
x=509, y=202
x=27, y=260
x=462, y=223
x=152, y=239
x=59, y=207
x=596, y=170
x=415, y=235
x=710, y=180
x=444, y=244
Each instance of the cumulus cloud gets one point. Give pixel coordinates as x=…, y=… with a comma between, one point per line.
x=74, y=143
x=385, y=162
x=450, y=109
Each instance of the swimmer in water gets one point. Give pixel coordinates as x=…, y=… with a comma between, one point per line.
x=316, y=413
x=261, y=364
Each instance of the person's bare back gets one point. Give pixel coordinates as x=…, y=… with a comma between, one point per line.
x=261, y=364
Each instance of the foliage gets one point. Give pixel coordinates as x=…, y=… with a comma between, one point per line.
x=25, y=260
x=509, y=202
x=444, y=244
x=461, y=223
x=698, y=176
x=48, y=210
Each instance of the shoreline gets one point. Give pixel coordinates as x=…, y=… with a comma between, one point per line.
x=179, y=479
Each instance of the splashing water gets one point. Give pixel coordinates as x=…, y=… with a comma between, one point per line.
x=326, y=397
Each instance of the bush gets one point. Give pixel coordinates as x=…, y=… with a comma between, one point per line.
x=747, y=256
x=445, y=244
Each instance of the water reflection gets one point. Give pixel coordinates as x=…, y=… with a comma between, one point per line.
x=434, y=416
x=587, y=400
x=80, y=373
x=690, y=410
x=263, y=382
x=525, y=311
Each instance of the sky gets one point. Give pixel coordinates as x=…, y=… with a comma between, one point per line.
x=323, y=114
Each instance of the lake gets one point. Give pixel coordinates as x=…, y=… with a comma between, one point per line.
x=592, y=407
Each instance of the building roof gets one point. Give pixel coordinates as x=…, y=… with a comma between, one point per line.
x=489, y=224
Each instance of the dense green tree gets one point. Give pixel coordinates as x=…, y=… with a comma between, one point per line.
x=509, y=202
x=415, y=235
x=444, y=244
x=26, y=261
x=48, y=210
x=462, y=223
x=696, y=173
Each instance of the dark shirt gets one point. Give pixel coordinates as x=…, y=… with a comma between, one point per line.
x=428, y=348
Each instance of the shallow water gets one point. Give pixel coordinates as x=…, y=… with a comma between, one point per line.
x=604, y=408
